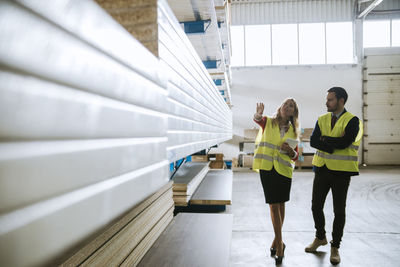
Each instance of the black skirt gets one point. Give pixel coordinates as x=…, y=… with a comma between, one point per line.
x=276, y=187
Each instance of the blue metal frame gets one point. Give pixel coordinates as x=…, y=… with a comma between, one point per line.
x=218, y=81
x=210, y=64
x=198, y=26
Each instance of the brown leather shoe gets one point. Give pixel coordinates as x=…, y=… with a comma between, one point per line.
x=315, y=244
x=335, y=257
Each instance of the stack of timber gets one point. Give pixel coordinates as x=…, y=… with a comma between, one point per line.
x=193, y=239
x=199, y=158
x=216, y=161
x=215, y=189
x=139, y=17
x=127, y=240
x=187, y=179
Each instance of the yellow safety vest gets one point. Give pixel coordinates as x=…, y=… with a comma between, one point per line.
x=268, y=153
x=341, y=159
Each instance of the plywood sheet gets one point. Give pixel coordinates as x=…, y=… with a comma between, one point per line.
x=125, y=242
x=193, y=240
x=83, y=252
x=215, y=189
x=140, y=251
x=189, y=175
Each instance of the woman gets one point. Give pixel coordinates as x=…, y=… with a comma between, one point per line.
x=275, y=160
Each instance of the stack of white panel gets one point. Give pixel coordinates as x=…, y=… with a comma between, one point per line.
x=86, y=122
x=83, y=130
x=198, y=115
x=186, y=180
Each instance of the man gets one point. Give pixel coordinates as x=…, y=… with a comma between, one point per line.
x=336, y=136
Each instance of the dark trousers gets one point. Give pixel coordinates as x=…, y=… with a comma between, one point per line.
x=324, y=181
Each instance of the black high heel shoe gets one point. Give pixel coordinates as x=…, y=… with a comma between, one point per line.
x=278, y=259
x=273, y=251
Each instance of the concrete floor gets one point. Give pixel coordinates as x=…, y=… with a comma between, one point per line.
x=371, y=235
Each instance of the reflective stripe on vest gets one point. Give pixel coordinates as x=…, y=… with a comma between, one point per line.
x=324, y=155
x=266, y=144
x=278, y=159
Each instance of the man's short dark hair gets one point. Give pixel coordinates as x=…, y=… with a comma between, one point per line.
x=339, y=93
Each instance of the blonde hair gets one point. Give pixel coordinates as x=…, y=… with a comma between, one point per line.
x=294, y=120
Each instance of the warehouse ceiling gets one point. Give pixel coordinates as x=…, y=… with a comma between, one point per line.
x=248, y=12
x=267, y=1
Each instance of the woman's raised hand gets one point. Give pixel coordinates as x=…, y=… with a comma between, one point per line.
x=260, y=108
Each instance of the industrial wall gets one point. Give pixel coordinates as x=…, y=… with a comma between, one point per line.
x=271, y=85
x=381, y=98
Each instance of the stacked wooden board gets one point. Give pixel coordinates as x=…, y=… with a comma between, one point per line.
x=215, y=189
x=306, y=152
x=138, y=17
x=186, y=180
x=193, y=240
x=127, y=240
x=199, y=158
x=216, y=161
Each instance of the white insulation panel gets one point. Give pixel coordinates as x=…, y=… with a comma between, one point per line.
x=198, y=115
x=63, y=166
x=79, y=97
x=66, y=112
